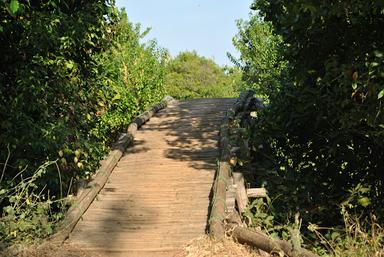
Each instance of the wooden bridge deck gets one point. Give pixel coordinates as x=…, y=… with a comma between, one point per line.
x=157, y=197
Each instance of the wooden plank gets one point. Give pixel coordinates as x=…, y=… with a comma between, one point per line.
x=230, y=199
x=241, y=193
x=257, y=192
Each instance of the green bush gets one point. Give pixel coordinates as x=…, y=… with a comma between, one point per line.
x=318, y=146
x=46, y=81
x=327, y=124
x=29, y=214
x=131, y=79
x=72, y=76
x=261, y=62
x=192, y=76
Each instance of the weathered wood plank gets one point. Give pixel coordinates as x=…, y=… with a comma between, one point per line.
x=241, y=193
x=257, y=192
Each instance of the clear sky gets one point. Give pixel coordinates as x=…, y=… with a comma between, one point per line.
x=206, y=26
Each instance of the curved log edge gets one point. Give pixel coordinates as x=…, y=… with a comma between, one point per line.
x=89, y=193
x=224, y=170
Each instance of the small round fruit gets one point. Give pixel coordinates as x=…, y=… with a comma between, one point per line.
x=80, y=165
x=75, y=160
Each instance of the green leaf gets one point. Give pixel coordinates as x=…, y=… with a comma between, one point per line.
x=116, y=97
x=69, y=65
x=354, y=85
x=381, y=94
x=364, y=201
x=14, y=6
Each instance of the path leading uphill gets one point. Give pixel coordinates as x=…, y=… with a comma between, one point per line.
x=157, y=197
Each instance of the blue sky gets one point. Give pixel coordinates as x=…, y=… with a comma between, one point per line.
x=178, y=25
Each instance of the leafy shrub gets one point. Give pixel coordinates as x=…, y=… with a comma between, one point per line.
x=29, y=213
x=324, y=123
x=261, y=62
x=131, y=79
x=327, y=125
x=318, y=144
x=46, y=81
x=72, y=76
x=191, y=76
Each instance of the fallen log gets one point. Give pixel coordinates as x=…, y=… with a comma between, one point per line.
x=266, y=243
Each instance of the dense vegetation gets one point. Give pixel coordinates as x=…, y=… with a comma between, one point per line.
x=318, y=146
x=261, y=61
x=192, y=76
x=72, y=75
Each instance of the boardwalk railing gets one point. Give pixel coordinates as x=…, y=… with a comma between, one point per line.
x=224, y=170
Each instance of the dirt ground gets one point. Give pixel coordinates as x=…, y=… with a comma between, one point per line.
x=200, y=247
x=206, y=247
x=45, y=250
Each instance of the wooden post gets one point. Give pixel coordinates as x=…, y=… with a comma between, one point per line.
x=241, y=193
x=257, y=192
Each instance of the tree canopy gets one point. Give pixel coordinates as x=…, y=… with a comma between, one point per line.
x=72, y=76
x=190, y=75
x=320, y=66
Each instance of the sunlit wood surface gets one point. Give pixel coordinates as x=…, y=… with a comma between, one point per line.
x=157, y=197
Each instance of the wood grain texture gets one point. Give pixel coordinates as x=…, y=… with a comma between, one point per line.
x=241, y=193
x=157, y=198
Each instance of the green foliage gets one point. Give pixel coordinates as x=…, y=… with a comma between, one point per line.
x=261, y=62
x=318, y=146
x=192, y=76
x=298, y=208
x=360, y=237
x=325, y=127
x=46, y=84
x=29, y=214
x=72, y=76
x=260, y=214
x=131, y=79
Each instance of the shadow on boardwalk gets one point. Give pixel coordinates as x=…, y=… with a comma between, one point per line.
x=157, y=197
x=194, y=136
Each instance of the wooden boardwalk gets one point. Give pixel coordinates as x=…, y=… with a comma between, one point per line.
x=157, y=197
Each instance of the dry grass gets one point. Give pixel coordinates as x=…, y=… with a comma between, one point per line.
x=45, y=250
x=206, y=247
x=200, y=247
